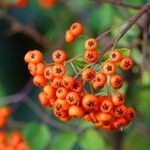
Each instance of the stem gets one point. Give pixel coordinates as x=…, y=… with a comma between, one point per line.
x=72, y=65
x=113, y=42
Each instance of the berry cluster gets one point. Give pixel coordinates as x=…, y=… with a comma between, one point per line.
x=68, y=95
x=5, y=112
x=15, y=141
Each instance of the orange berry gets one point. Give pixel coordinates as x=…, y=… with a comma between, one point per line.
x=69, y=37
x=56, y=82
x=76, y=111
x=115, y=56
x=90, y=44
x=5, y=111
x=22, y=146
x=27, y=56
x=40, y=68
x=72, y=98
x=91, y=56
x=106, y=106
x=68, y=81
x=46, y=4
x=44, y=100
x=32, y=69
x=120, y=123
x=60, y=113
x=88, y=74
x=126, y=63
x=105, y=117
x=39, y=80
x=99, y=80
x=120, y=111
x=59, y=56
x=89, y=101
x=49, y=91
x=58, y=70
x=109, y=68
x=36, y=57
x=116, y=81
x=76, y=29
x=61, y=92
x=3, y=122
x=77, y=86
x=118, y=99
x=15, y=138
x=21, y=3
x=130, y=114
x=2, y=137
x=65, y=118
x=61, y=105
x=48, y=73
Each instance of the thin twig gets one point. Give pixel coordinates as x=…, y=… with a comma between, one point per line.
x=113, y=42
x=16, y=26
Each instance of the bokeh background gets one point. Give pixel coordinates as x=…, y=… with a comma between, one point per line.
x=44, y=29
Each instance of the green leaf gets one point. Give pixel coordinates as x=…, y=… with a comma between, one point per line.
x=136, y=55
x=92, y=140
x=124, y=51
x=37, y=136
x=64, y=140
x=80, y=64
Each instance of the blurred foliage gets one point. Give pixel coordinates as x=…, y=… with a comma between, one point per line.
x=52, y=24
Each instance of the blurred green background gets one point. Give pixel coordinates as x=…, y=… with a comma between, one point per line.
x=40, y=128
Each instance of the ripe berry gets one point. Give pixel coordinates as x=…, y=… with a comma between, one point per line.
x=21, y=146
x=120, y=123
x=15, y=138
x=76, y=111
x=72, y=98
x=90, y=44
x=109, y=68
x=58, y=70
x=118, y=99
x=61, y=92
x=91, y=56
x=59, y=56
x=61, y=105
x=77, y=86
x=48, y=73
x=89, y=101
x=56, y=82
x=99, y=80
x=21, y=3
x=36, y=57
x=106, y=106
x=69, y=37
x=88, y=74
x=46, y=4
x=5, y=111
x=116, y=81
x=130, y=114
x=27, y=56
x=126, y=63
x=39, y=80
x=32, y=68
x=120, y=111
x=105, y=117
x=49, y=91
x=44, y=100
x=76, y=29
x=40, y=68
x=2, y=137
x=115, y=56
x=68, y=81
